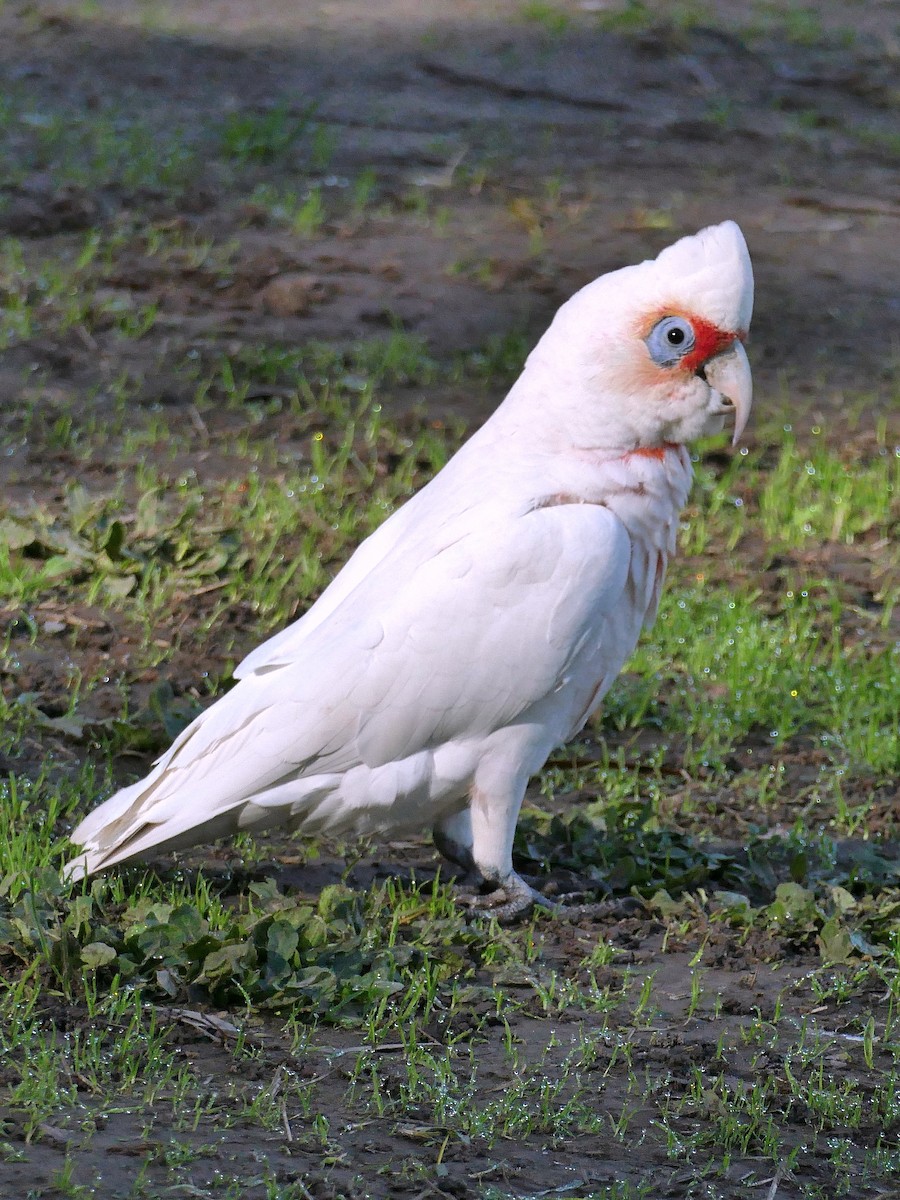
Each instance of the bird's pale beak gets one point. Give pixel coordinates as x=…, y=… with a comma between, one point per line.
x=729, y=374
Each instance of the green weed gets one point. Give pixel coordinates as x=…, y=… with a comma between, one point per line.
x=264, y=137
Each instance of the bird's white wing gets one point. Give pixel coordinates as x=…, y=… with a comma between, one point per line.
x=284, y=645
x=488, y=628
x=459, y=648
x=422, y=526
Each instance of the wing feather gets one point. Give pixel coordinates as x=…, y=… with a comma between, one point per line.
x=468, y=641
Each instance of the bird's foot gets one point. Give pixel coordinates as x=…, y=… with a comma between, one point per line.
x=585, y=903
x=514, y=899
x=508, y=900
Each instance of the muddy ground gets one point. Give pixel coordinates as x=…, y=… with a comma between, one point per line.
x=553, y=156
x=552, y=149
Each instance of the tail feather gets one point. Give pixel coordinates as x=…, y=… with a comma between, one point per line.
x=163, y=838
x=116, y=833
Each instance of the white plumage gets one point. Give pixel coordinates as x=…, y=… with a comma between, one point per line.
x=483, y=622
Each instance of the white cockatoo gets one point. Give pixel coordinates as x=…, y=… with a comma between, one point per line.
x=479, y=627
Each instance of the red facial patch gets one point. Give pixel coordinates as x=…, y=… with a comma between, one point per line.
x=709, y=341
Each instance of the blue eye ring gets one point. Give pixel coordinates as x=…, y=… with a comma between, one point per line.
x=670, y=339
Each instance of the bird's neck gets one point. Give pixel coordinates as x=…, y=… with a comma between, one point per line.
x=647, y=489
x=541, y=450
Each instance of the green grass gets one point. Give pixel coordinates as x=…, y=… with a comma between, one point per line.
x=739, y=669
x=62, y=294
x=101, y=148
x=249, y=1036
x=733, y=655
x=266, y=136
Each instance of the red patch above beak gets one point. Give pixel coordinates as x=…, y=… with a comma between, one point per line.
x=709, y=341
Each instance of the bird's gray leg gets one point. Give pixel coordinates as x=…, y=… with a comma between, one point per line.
x=453, y=838
x=495, y=800
x=480, y=838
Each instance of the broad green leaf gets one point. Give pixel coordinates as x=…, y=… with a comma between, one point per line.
x=97, y=954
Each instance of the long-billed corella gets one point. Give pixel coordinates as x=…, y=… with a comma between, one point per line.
x=483, y=622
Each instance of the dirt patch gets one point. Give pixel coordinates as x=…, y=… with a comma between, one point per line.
x=552, y=155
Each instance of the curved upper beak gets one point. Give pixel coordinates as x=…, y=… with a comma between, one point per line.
x=729, y=374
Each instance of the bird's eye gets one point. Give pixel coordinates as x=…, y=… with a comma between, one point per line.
x=669, y=340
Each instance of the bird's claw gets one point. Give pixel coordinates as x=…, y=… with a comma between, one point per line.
x=512, y=900
x=515, y=899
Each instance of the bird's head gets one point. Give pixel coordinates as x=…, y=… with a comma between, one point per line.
x=654, y=352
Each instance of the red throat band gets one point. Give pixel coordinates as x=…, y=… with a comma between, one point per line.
x=656, y=452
